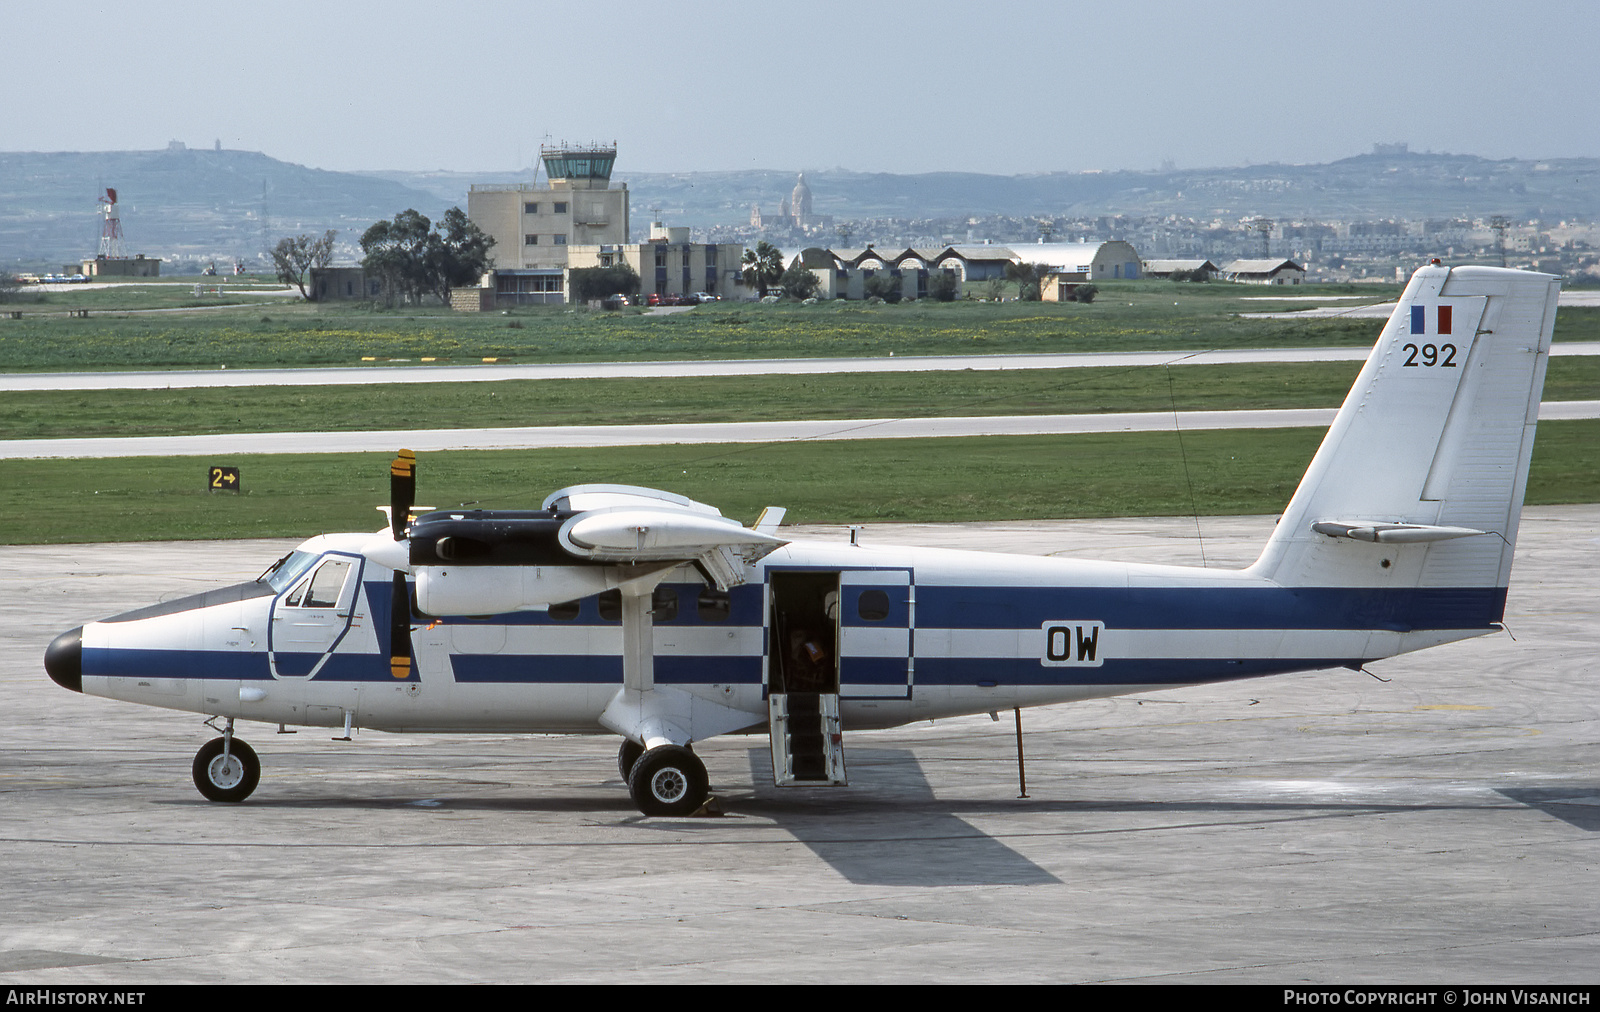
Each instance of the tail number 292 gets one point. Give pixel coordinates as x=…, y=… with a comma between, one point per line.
x=1441, y=355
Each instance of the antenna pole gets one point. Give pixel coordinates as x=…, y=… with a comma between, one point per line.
x=1022, y=774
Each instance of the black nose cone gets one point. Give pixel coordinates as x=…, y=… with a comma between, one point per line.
x=64, y=660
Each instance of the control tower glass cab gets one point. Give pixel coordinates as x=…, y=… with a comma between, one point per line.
x=579, y=168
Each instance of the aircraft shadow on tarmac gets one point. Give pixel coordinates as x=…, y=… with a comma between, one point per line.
x=1576, y=804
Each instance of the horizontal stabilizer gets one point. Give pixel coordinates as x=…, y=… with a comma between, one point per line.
x=1391, y=534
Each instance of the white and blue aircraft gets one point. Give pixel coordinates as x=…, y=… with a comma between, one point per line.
x=639, y=613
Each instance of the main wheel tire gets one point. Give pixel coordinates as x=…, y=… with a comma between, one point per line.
x=668, y=780
x=230, y=779
x=627, y=755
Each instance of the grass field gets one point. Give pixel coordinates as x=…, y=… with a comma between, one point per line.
x=59, y=414
x=1139, y=316
x=994, y=478
x=1128, y=315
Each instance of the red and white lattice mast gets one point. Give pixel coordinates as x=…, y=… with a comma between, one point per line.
x=110, y=228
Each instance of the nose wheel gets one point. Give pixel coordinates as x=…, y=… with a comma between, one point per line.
x=226, y=771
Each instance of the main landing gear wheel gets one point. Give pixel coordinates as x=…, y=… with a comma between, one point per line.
x=627, y=755
x=229, y=778
x=668, y=780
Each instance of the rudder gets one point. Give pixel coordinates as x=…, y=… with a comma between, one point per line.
x=1420, y=479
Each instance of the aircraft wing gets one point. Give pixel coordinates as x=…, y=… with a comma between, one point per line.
x=587, y=539
x=633, y=535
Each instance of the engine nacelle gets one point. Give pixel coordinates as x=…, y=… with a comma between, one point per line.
x=494, y=590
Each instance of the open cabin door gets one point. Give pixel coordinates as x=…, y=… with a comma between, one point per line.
x=831, y=633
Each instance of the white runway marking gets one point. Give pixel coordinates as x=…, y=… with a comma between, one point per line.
x=545, y=437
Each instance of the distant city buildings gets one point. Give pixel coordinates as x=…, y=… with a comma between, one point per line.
x=579, y=219
x=794, y=213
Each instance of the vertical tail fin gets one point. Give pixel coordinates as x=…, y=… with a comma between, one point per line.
x=1419, y=481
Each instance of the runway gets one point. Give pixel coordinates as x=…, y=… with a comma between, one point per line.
x=1432, y=821
x=180, y=379
x=548, y=437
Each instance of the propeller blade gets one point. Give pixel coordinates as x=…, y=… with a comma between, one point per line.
x=400, y=629
x=402, y=491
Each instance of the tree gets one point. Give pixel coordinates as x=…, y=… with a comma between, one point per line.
x=415, y=258
x=598, y=282
x=763, y=266
x=397, y=252
x=798, y=282
x=943, y=286
x=883, y=285
x=295, y=257
x=1027, y=277
x=458, y=253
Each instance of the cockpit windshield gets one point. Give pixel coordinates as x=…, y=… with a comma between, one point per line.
x=286, y=570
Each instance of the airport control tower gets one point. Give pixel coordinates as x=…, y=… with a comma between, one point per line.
x=533, y=225
x=579, y=168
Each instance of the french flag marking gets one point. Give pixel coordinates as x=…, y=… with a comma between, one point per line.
x=1419, y=319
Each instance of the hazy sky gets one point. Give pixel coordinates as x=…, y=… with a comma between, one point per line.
x=894, y=87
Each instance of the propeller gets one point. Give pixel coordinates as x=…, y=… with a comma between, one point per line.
x=402, y=494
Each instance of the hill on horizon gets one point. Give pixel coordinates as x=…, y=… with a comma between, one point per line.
x=183, y=202
x=198, y=203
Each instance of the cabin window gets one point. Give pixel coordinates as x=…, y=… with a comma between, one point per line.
x=663, y=605
x=873, y=605
x=323, y=590
x=566, y=611
x=714, y=605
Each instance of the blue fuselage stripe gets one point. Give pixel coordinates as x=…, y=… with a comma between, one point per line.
x=938, y=608
x=1212, y=608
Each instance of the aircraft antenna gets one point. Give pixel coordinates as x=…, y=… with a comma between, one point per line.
x=1184, y=456
x=1022, y=773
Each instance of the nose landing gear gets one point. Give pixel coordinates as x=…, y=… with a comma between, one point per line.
x=226, y=769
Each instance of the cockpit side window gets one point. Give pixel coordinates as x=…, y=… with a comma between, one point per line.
x=322, y=590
